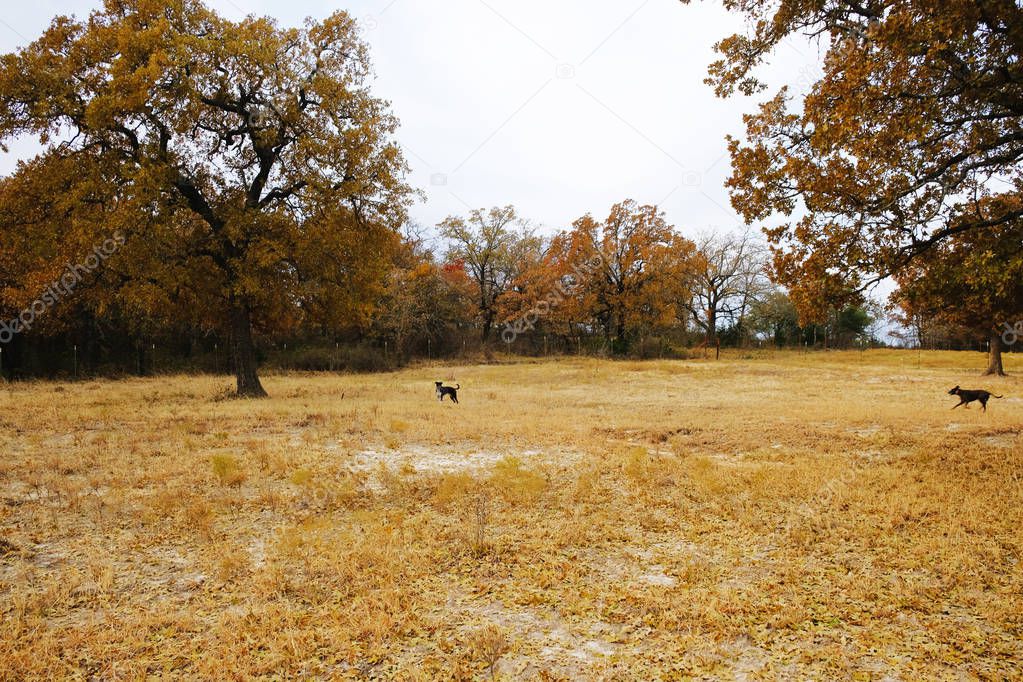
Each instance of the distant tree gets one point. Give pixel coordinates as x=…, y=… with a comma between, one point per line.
x=639, y=263
x=426, y=303
x=554, y=291
x=495, y=248
x=247, y=166
x=910, y=138
x=922, y=330
x=730, y=275
x=839, y=326
x=522, y=308
x=912, y=331
x=775, y=315
x=973, y=281
x=422, y=308
x=878, y=331
x=850, y=324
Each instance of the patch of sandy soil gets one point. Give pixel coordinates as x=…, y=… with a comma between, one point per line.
x=866, y=431
x=731, y=459
x=549, y=642
x=430, y=460
x=1004, y=440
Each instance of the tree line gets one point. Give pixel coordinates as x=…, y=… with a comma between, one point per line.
x=628, y=284
x=212, y=191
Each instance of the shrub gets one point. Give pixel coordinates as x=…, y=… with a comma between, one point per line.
x=301, y=477
x=453, y=486
x=489, y=644
x=227, y=470
x=479, y=522
x=636, y=465
x=360, y=358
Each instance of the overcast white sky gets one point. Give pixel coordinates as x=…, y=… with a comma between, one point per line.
x=558, y=108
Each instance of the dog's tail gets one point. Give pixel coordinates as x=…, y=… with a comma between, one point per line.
x=996, y=396
x=458, y=387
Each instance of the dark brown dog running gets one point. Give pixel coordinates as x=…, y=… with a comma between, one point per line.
x=966, y=397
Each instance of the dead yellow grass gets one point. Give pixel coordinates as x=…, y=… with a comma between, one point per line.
x=768, y=516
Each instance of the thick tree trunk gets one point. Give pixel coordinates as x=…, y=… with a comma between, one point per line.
x=994, y=362
x=243, y=352
x=487, y=327
x=712, y=333
x=141, y=362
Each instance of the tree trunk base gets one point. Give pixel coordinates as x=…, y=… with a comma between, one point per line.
x=994, y=365
x=244, y=351
x=251, y=391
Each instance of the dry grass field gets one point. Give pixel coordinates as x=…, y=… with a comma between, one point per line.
x=771, y=516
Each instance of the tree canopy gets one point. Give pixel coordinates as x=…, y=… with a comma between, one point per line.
x=910, y=137
x=248, y=167
x=495, y=248
x=642, y=267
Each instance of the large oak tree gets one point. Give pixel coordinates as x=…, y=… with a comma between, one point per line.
x=250, y=169
x=910, y=137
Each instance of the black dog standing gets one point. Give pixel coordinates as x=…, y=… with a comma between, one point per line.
x=443, y=390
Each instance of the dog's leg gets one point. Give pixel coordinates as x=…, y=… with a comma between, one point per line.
x=957, y=404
